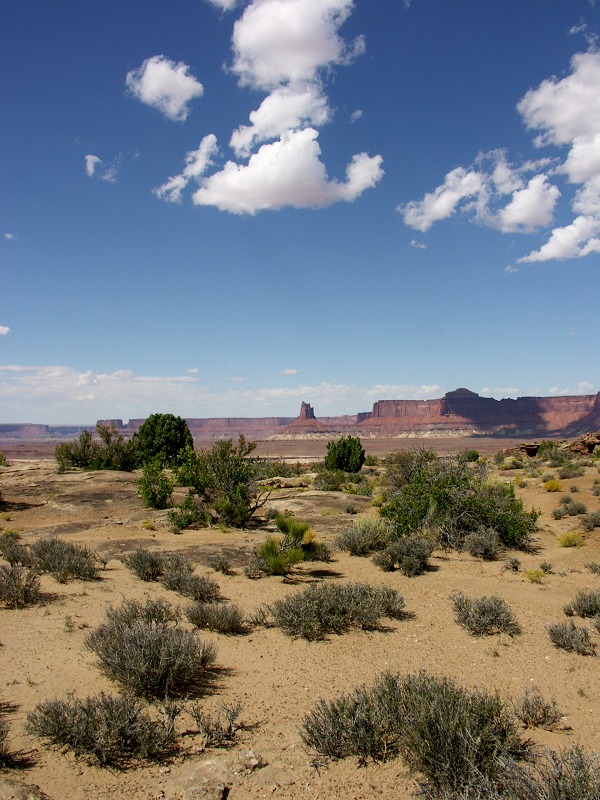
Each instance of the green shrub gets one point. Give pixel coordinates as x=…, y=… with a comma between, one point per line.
x=551, y=452
x=147, y=565
x=196, y=587
x=552, y=485
x=571, y=470
x=7, y=758
x=113, y=451
x=139, y=647
x=570, y=508
x=570, y=539
x=371, y=460
x=223, y=618
x=226, y=480
x=586, y=604
x=274, y=557
x=367, y=535
x=366, y=723
x=333, y=608
x=112, y=731
x=12, y=551
x=19, y=586
x=571, y=774
x=590, y=521
x=483, y=543
x=293, y=529
x=410, y=556
x=535, y=712
x=346, y=454
x=219, y=730
x=534, y=575
x=456, y=738
x=273, y=468
x=330, y=480
x=187, y=514
x=64, y=560
x=567, y=636
x=483, y=616
x=454, y=498
x=155, y=487
x=220, y=563
x=162, y=438
x=3, y=460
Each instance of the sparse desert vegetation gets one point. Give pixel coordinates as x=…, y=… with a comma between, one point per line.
x=355, y=678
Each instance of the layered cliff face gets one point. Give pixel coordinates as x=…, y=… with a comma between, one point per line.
x=463, y=410
x=458, y=413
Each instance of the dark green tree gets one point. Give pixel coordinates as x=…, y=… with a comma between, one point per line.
x=346, y=454
x=162, y=438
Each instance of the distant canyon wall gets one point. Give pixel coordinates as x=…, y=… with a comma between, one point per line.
x=458, y=413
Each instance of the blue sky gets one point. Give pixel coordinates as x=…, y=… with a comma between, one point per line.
x=215, y=208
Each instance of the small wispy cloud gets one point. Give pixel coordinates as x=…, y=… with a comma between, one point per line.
x=356, y=115
x=418, y=245
x=236, y=379
x=510, y=270
x=108, y=172
x=193, y=371
x=585, y=387
x=289, y=371
x=4, y=330
x=10, y=237
x=91, y=162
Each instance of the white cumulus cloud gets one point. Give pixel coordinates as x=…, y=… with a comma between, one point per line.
x=281, y=110
x=442, y=203
x=286, y=173
x=165, y=85
x=4, y=330
x=10, y=237
x=564, y=113
x=283, y=41
x=284, y=48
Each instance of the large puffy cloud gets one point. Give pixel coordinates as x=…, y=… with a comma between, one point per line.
x=196, y=164
x=165, y=85
x=283, y=109
x=564, y=112
x=277, y=42
x=286, y=173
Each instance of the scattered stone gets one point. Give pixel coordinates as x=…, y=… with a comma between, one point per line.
x=15, y=790
x=212, y=778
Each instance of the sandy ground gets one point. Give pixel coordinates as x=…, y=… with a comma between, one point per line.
x=277, y=679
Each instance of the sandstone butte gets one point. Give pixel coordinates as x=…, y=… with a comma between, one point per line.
x=458, y=413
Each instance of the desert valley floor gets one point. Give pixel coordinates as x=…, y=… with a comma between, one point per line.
x=276, y=678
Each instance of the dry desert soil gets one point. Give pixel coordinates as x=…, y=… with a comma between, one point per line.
x=276, y=678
